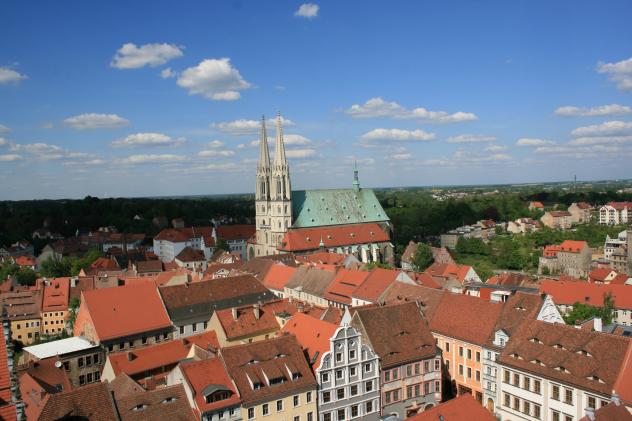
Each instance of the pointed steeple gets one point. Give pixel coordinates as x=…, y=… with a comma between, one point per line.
x=356, y=179
x=264, y=154
x=279, y=147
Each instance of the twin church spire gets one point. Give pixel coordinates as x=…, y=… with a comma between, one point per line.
x=273, y=182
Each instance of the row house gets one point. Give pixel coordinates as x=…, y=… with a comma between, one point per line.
x=191, y=305
x=580, y=212
x=55, y=313
x=344, y=365
x=110, y=317
x=571, y=258
x=309, y=283
x=274, y=380
x=554, y=372
x=23, y=312
x=277, y=277
x=615, y=213
x=568, y=293
x=518, y=309
x=376, y=283
x=236, y=236
x=523, y=226
x=561, y=220
x=410, y=362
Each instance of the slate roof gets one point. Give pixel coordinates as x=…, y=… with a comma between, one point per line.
x=568, y=355
x=93, y=402
x=197, y=301
x=316, y=208
x=398, y=333
x=201, y=374
x=272, y=358
x=465, y=317
x=167, y=403
x=311, y=280
x=115, y=311
x=463, y=407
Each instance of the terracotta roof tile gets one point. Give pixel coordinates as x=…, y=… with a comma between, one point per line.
x=93, y=402
x=301, y=239
x=123, y=385
x=464, y=407
x=210, y=372
x=311, y=280
x=344, y=285
x=427, y=298
x=277, y=276
x=168, y=403
x=313, y=335
x=623, y=385
x=569, y=293
x=235, y=232
x=611, y=412
x=376, y=283
x=188, y=254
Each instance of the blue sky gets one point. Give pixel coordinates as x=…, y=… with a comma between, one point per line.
x=161, y=98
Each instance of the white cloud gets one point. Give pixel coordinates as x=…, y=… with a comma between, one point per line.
x=471, y=138
x=3, y=141
x=10, y=76
x=619, y=72
x=496, y=148
x=596, y=140
x=401, y=156
x=215, y=144
x=47, y=152
x=295, y=139
x=462, y=158
x=607, y=128
x=168, y=73
x=241, y=146
x=10, y=157
x=4, y=129
x=579, y=151
x=397, y=135
x=598, y=111
x=95, y=162
x=129, y=56
x=242, y=127
x=47, y=125
x=300, y=153
x=147, y=139
x=378, y=107
x=96, y=121
x=307, y=10
x=527, y=141
x=215, y=153
x=214, y=79
x=150, y=159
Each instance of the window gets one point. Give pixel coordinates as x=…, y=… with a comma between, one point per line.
x=426, y=388
x=95, y=358
x=82, y=380
x=181, y=330
x=555, y=416
x=387, y=397
x=279, y=405
x=536, y=411
x=339, y=374
x=437, y=365
x=325, y=377
x=478, y=356
x=368, y=386
x=568, y=396
x=352, y=354
x=426, y=366
x=340, y=393
x=527, y=383
x=526, y=407
x=338, y=357
x=568, y=418
x=536, y=386
x=409, y=370
x=194, y=327
x=506, y=376
x=89, y=378
x=80, y=361
x=469, y=372
x=310, y=416
x=297, y=418
x=341, y=414
x=417, y=390
x=437, y=386
x=461, y=369
x=409, y=392
x=395, y=374
x=469, y=354
x=97, y=376
x=326, y=396
x=555, y=392
x=367, y=367
x=89, y=360
x=327, y=416
x=395, y=395
x=369, y=407
x=110, y=348
x=447, y=346
x=387, y=376
x=353, y=390
x=144, y=340
x=308, y=397
x=516, y=403
x=507, y=399
x=352, y=371
x=251, y=413
x=460, y=351
x=355, y=411
x=265, y=409
x=478, y=376
x=296, y=401
x=516, y=379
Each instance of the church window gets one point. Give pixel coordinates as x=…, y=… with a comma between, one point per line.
x=278, y=187
x=279, y=209
x=286, y=209
x=279, y=224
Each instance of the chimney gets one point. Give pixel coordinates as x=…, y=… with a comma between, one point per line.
x=590, y=414
x=234, y=311
x=597, y=324
x=257, y=310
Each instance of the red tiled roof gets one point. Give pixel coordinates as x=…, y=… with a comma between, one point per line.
x=375, y=284
x=189, y=254
x=560, y=214
x=621, y=205
x=620, y=279
x=599, y=274
x=105, y=263
x=611, y=412
x=115, y=311
x=449, y=271
x=204, y=373
x=569, y=293
x=302, y=239
x=92, y=402
x=323, y=257
x=623, y=385
x=147, y=266
x=573, y=246
x=278, y=275
x=25, y=260
x=424, y=279
x=537, y=205
x=313, y=335
x=464, y=407
x=344, y=284
x=180, y=235
x=167, y=403
x=427, y=298
x=235, y=232
x=160, y=355
x=465, y=317
x=56, y=295
x=583, y=205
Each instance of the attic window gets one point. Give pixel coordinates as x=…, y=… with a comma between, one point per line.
x=535, y=340
x=221, y=395
x=559, y=346
x=169, y=400
x=295, y=376
x=329, y=236
x=402, y=333
x=595, y=378
x=563, y=369
x=584, y=353
x=280, y=356
x=277, y=380
x=521, y=308
x=252, y=362
x=515, y=355
x=538, y=362
x=256, y=386
x=140, y=407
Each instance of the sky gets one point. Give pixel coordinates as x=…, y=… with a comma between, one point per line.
x=165, y=98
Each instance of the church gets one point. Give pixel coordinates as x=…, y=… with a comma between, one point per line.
x=347, y=221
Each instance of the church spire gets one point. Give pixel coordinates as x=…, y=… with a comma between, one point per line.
x=264, y=154
x=279, y=147
x=356, y=179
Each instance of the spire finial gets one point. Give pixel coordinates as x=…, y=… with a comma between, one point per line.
x=279, y=152
x=356, y=179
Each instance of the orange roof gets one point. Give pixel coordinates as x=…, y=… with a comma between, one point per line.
x=451, y=271
x=620, y=279
x=211, y=372
x=464, y=407
x=115, y=311
x=179, y=235
x=537, y=205
x=235, y=232
x=569, y=293
x=599, y=274
x=278, y=276
x=323, y=257
x=105, y=263
x=623, y=385
x=344, y=284
x=424, y=279
x=160, y=355
x=302, y=239
x=375, y=284
x=56, y=295
x=313, y=335
x=621, y=205
x=573, y=246
x=25, y=260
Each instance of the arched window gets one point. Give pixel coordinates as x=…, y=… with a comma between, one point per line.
x=279, y=187
x=279, y=224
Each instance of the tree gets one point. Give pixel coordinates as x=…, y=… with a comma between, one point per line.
x=373, y=265
x=582, y=312
x=423, y=257
x=55, y=268
x=222, y=245
x=73, y=306
x=26, y=276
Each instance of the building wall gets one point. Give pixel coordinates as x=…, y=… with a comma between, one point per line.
x=85, y=366
x=54, y=322
x=464, y=362
x=26, y=330
x=192, y=328
x=306, y=297
x=306, y=409
x=139, y=340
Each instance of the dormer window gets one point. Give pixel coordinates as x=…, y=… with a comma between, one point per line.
x=169, y=400
x=140, y=407
x=595, y=378
x=538, y=362
x=559, y=346
x=277, y=380
x=562, y=369
x=584, y=353
x=535, y=340
x=220, y=395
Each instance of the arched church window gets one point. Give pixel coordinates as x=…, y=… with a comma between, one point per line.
x=285, y=208
x=286, y=223
x=278, y=187
x=279, y=224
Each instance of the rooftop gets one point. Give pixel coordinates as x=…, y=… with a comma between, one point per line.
x=59, y=347
x=463, y=407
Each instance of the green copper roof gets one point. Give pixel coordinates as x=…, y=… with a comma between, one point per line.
x=315, y=208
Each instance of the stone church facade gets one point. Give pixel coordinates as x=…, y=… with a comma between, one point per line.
x=349, y=221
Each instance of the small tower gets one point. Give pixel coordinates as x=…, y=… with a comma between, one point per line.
x=356, y=179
